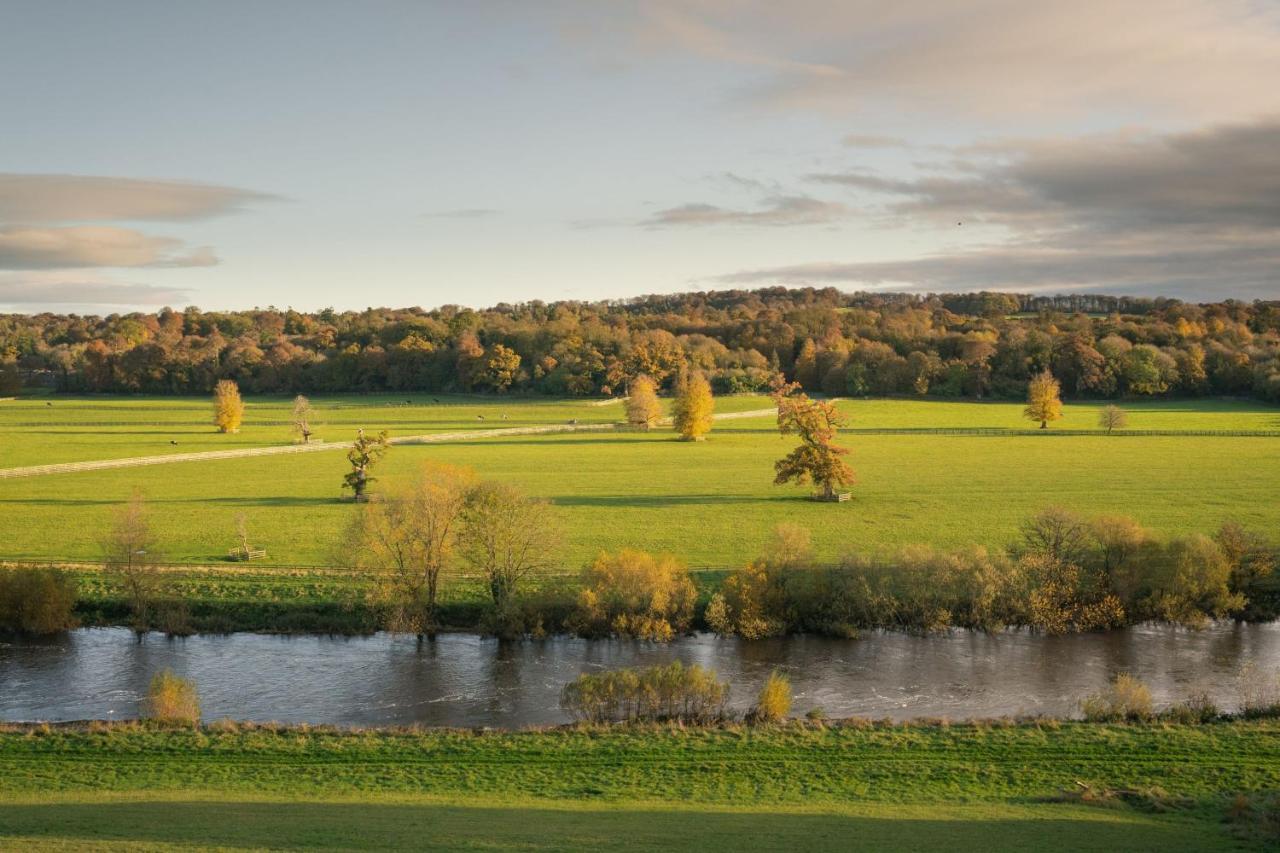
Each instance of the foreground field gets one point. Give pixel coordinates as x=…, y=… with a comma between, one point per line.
x=884, y=788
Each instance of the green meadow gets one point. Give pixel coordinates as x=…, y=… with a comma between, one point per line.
x=712, y=503
x=960, y=787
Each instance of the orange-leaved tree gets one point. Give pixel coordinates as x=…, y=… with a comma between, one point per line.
x=818, y=458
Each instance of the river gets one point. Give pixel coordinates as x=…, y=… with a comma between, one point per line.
x=465, y=680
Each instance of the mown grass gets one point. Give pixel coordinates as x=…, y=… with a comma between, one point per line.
x=880, y=787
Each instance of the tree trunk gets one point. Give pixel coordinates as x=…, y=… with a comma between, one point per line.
x=1044, y=425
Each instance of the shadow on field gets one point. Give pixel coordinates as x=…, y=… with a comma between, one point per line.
x=374, y=825
x=637, y=501
x=280, y=501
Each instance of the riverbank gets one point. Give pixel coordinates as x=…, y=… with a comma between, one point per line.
x=991, y=786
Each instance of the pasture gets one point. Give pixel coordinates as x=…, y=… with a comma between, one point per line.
x=987, y=787
x=712, y=503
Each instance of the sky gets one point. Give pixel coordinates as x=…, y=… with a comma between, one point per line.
x=311, y=154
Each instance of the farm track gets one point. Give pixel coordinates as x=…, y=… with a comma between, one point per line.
x=428, y=438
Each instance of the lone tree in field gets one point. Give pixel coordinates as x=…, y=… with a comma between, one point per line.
x=1043, y=401
x=363, y=455
x=1113, y=418
x=692, y=408
x=506, y=536
x=408, y=539
x=228, y=408
x=130, y=556
x=643, y=408
x=817, y=459
x=300, y=421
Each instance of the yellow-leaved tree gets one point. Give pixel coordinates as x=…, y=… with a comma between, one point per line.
x=1043, y=401
x=643, y=408
x=228, y=408
x=693, y=407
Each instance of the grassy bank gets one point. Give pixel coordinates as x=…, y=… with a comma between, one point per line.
x=987, y=786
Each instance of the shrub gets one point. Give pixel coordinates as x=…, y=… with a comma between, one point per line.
x=1196, y=708
x=774, y=702
x=644, y=694
x=754, y=602
x=171, y=699
x=635, y=594
x=1125, y=699
x=36, y=601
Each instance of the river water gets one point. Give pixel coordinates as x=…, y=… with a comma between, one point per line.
x=465, y=680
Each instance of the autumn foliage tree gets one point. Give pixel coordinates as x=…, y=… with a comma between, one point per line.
x=643, y=408
x=818, y=458
x=228, y=408
x=635, y=594
x=1044, y=402
x=365, y=452
x=407, y=539
x=693, y=407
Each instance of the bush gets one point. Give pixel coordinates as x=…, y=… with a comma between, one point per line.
x=36, y=601
x=1196, y=708
x=171, y=699
x=1126, y=699
x=1259, y=693
x=635, y=594
x=774, y=702
x=672, y=692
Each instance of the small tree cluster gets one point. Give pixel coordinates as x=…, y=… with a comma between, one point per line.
x=688, y=694
x=408, y=538
x=635, y=594
x=754, y=602
x=818, y=458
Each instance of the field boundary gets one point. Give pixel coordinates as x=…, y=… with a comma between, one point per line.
x=428, y=438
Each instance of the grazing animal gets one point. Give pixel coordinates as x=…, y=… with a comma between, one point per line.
x=173, y=442
x=573, y=421
x=48, y=403
x=504, y=416
x=479, y=417
x=435, y=399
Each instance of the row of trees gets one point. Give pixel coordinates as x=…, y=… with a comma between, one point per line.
x=974, y=345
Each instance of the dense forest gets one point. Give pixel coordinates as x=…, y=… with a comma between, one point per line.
x=956, y=345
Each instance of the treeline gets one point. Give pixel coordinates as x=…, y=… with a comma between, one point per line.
x=957, y=345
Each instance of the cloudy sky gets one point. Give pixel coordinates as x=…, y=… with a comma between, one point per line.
x=307, y=154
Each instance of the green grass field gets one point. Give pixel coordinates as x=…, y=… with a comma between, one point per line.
x=882, y=788
x=711, y=503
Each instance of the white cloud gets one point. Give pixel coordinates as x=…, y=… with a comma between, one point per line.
x=51, y=289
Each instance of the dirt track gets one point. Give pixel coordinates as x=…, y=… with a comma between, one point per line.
x=429, y=438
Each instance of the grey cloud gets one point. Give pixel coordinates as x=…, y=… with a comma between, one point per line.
x=86, y=198
x=777, y=211
x=35, y=248
x=1195, y=214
